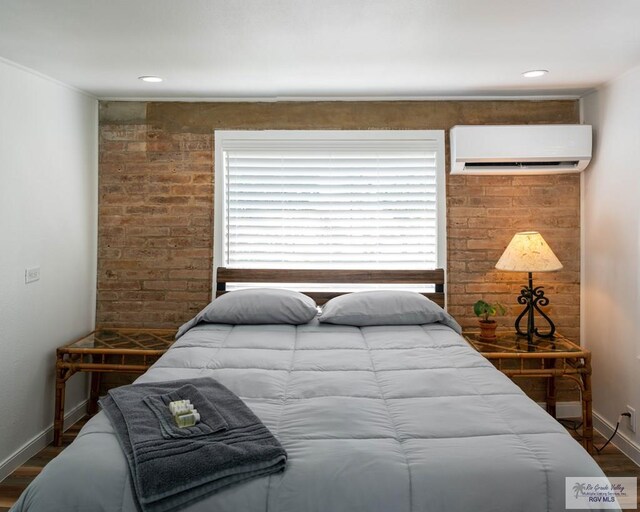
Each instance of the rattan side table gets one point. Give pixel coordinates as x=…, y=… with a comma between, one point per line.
x=102, y=351
x=550, y=359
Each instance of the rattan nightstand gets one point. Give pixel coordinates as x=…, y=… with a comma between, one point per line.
x=104, y=351
x=550, y=359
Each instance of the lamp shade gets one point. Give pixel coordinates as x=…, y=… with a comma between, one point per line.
x=528, y=252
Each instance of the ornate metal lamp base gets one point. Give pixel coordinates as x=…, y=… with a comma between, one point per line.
x=533, y=298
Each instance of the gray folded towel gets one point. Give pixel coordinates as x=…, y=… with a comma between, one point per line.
x=171, y=467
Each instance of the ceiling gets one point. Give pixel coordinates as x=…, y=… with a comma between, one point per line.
x=268, y=49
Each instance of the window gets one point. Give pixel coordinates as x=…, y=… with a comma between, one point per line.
x=330, y=199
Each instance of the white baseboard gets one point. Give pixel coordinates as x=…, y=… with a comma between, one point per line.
x=630, y=448
x=566, y=409
x=39, y=442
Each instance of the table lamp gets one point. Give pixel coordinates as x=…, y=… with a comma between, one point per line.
x=528, y=252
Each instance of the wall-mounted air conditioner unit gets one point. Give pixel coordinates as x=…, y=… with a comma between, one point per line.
x=520, y=149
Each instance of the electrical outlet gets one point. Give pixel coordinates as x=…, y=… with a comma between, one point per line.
x=31, y=274
x=631, y=421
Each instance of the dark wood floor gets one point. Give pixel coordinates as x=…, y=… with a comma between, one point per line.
x=612, y=461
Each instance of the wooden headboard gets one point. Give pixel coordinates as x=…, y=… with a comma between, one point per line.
x=422, y=277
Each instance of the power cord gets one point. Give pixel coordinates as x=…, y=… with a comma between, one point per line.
x=628, y=415
x=575, y=425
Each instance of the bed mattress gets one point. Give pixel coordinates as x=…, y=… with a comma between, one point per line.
x=385, y=418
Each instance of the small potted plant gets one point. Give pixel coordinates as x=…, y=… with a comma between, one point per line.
x=484, y=310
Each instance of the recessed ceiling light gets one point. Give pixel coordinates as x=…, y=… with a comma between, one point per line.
x=150, y=78
x=535, y=73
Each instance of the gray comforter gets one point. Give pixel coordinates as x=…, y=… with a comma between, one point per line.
x=389, y=418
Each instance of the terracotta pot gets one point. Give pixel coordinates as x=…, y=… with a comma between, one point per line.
x=488, y=329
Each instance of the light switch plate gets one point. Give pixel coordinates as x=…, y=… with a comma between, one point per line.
x=31, y=274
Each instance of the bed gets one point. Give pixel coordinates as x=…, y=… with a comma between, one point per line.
x=373, y=418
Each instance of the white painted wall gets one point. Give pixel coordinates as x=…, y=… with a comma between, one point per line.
x=48, y=218
x=611, y=284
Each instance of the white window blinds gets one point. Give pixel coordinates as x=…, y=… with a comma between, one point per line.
x=366, y=200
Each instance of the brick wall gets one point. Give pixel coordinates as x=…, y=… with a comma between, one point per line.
x=484, y=212
x=156, y=203
x=155, y=234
